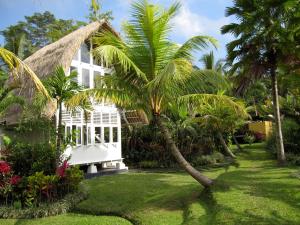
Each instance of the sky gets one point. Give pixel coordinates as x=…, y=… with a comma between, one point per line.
x=196, y=17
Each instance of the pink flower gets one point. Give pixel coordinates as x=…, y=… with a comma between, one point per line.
x=4, y=167
x=60, y=171
x=15, y=180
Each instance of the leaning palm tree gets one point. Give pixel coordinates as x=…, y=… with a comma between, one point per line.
x=149, y=70
x=19, y=69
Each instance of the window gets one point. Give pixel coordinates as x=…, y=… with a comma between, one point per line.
x=89, y=136
x=85, y=54
x=73, y=68
x=106, y=134
x=97, y=117
x=84, y=129
x=97, y=135
x=105, y=118
x=68, y=134
x=86, y=78
x=115, y=134
x=76, y=117
x=78, y=135
x=113, y=118
x=74, y=134
x=97, y=79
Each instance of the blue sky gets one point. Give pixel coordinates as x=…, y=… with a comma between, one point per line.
x=196, y=17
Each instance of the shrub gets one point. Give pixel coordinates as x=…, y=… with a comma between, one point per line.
x=291, y=138
x=149, y=164
x=44, y=209
x=249, y=138
x=208, y=160
x=27, y=159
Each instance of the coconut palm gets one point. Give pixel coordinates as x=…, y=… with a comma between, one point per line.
x=61, y=87
x=19, y=69
x=209, y=62
x=150, y=70
x=266, y=35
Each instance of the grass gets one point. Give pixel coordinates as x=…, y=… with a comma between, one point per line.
x=70, y=219
x=255, y=192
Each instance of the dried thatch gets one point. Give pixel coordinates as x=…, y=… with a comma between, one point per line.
x=44, y=61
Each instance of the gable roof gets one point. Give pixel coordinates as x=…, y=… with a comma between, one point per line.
x=60, y=53
x=44, y=61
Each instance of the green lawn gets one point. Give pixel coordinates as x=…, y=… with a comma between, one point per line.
x=70, y=219
x=255, y=192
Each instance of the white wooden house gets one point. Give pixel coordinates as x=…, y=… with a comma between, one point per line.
x=99, y=138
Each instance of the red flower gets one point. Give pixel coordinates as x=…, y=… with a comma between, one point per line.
x=15, y=180
x=4, y=167
x=60, y=171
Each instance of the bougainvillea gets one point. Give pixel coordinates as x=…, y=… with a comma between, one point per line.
x=4, y=167
x=14, y=180
x=61, y=171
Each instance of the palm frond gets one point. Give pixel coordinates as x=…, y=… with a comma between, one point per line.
x=18, y=68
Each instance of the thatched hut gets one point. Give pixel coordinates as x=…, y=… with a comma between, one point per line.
x=99, y=139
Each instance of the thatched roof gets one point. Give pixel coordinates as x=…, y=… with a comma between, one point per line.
x=44, y=61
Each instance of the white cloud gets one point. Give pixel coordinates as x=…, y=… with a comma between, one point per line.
x=188, y=23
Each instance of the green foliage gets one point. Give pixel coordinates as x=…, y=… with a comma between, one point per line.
x=27, y=159
x=148, y=164
x=96, y=14
x=35, y=32
x=45, y=209
x=73, y=177
x=208, y=160
x=249, y=138
x=291, y=136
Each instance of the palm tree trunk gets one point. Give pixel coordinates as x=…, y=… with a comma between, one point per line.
x=279, y=138
x=237, y=143
x=203, y=180
x=59, y=134
x=226, y=148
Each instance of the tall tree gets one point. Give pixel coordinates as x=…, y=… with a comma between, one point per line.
x=36, y=31
x=150, y=70
x=209, y=62
x=96, y=12
x=266, y=34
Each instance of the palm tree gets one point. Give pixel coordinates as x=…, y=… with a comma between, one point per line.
x=222, y=117
x=19, y=69
x=150, y=70
x=61, y=87
x=266, y=34
x=209, y=62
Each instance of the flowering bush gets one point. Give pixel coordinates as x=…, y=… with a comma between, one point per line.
x=15, y=180
x=4, y=168
x=60, y=171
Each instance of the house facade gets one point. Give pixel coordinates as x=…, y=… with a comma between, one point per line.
x=97, y=143
x=98, y=134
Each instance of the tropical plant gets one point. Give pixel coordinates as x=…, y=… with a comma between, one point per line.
x=266, y=35
x=35, y=32
x=209, y=62
x=96, y=14
x=61, y=87
x=19, y=69
x=150, y=70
